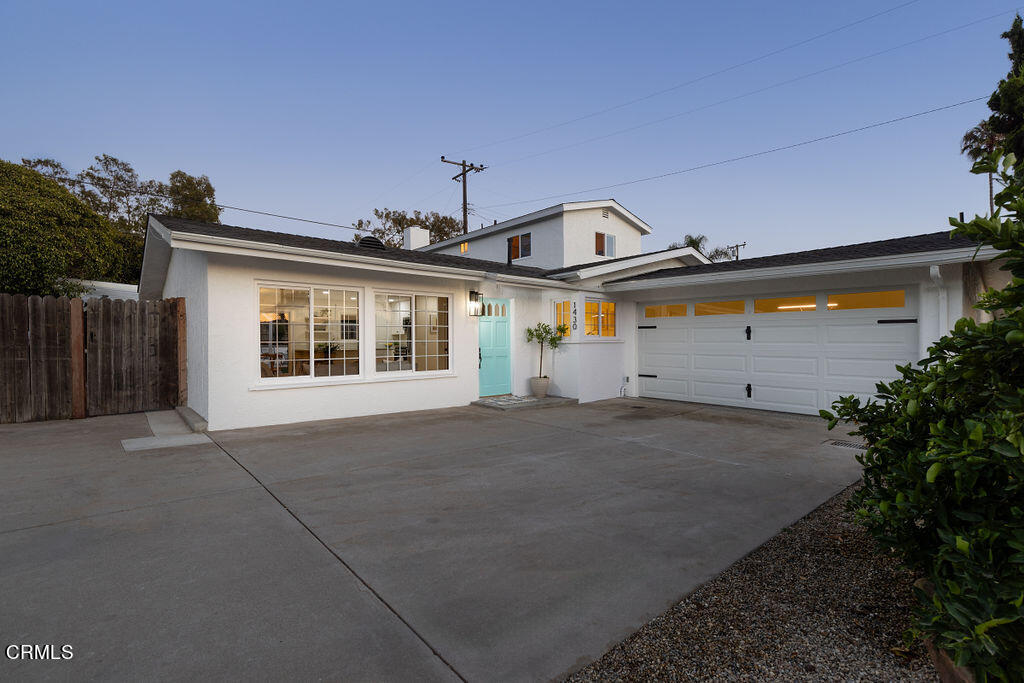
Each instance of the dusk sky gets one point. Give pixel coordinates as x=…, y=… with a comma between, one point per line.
x=327, y=110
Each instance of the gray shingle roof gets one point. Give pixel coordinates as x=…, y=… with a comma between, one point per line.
x=935, y=241
x=343, y=247
x=581, y=266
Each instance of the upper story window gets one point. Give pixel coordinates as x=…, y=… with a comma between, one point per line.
x=287, y=317
x=463, y=247
x=520, y=245
x=604, y=244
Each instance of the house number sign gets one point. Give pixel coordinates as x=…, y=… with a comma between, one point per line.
x=573, y=316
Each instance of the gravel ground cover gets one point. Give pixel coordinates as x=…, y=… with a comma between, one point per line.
x=813, y=603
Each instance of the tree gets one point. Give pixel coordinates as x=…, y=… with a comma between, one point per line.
x=48, y=236
x=387, y=225
x=1007, y=102
x=546, y=336
x=112, y=188
x=979, y=142
x=699, y=242
x=192, y=197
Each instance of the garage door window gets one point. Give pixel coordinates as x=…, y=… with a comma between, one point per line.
x=896, y=298
x=719, y=308
x=789, y=304
x=665, y=311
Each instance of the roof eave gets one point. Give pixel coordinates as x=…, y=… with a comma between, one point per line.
x=939, y=257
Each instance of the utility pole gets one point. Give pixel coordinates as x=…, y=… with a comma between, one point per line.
x=463, y=177
x=735, y=249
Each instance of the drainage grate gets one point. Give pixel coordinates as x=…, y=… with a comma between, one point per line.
x=847, y=444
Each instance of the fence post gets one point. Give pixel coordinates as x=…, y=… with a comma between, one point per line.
x=182, y=351
x=77, y=360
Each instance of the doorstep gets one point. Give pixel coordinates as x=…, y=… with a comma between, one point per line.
x=509, y=402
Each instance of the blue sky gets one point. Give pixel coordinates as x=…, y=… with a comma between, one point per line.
x=326, y=110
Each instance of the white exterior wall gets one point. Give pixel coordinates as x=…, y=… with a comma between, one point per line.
x=546, y=245
x=580, y=227
x=239, y=397
x=186, y=277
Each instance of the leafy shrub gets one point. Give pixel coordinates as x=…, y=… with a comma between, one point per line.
x=944, y=467
x=48, y=236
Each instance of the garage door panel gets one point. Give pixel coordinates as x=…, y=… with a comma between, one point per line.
x=670, y=335
x=871, y=368
x=675, y=389
x=870, y=334
x=718, y=335
x=778, y=334
x=806, y=366
x=719, y=362
x=704, y=389
x=797, y=399
x=664, y=360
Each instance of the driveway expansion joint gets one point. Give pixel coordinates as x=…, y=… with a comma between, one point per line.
x=342, y=561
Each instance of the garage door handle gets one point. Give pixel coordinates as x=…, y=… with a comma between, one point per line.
x=748, y=332
x=749, y=390
x=640, y=374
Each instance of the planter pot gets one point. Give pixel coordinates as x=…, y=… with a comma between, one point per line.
x=539, y=386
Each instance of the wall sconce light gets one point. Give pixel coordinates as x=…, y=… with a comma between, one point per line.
x=476, y=304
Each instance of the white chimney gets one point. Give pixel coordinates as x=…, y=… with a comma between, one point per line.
x=415, y=237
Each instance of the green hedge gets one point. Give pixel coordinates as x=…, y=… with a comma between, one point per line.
x=944, y=467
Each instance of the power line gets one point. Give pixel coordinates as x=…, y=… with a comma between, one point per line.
x=748, y=156
x=698, y=79
x=757, y=91
x=135, y=191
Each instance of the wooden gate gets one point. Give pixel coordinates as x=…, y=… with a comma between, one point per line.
x=62, y=358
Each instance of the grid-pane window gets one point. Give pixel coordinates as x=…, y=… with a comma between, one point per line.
x=463, y=247
x=788, y=304
x=719, y=308
x=335, y=332
x=394, y=332
x=412, y=332
x=599, y=318
x=563, y=316
x=665, y=311
x=430, y=334
x=895, y=298
x=284, y=332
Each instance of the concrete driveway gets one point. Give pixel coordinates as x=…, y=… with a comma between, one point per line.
x=461, y=543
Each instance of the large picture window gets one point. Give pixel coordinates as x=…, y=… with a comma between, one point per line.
x=412, y=332
x=288, y=318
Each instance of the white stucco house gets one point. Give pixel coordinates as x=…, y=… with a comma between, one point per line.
x=286, y=328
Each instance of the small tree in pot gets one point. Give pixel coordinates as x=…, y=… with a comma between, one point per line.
x=546, y=336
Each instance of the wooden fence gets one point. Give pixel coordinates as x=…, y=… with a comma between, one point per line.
x=64, y=358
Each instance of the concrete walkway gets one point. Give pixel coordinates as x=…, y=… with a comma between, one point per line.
x=435, y=545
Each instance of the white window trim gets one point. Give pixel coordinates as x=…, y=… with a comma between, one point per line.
x=367, y=340
x=583, y=327
x=520, y=237
x=310, y=379
x=385, y=375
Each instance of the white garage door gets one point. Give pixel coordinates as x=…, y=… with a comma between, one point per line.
x=794, y=353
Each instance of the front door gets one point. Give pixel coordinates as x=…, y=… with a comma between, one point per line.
x=495, y=348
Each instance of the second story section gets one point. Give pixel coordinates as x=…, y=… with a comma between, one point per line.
x=556, y=237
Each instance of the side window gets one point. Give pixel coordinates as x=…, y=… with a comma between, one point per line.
x=609, y=245
x=599, y=243
x=514, y=246
x=563, y=316
x=524, y=245
x=463, y=247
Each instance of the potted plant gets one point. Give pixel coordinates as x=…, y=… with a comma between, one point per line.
x=549, y=337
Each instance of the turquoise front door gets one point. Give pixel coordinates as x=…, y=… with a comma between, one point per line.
x=495, y=348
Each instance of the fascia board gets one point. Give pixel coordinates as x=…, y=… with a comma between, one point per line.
x=945, y=256
x=224, y=245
